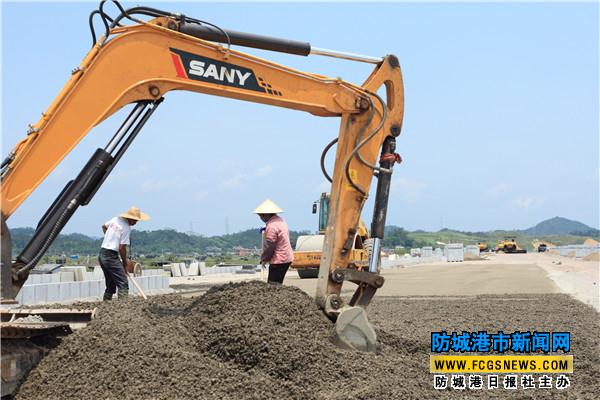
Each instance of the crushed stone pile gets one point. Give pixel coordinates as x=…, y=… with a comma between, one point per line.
x=258, y=341
x=238, y=341
x=29, y=318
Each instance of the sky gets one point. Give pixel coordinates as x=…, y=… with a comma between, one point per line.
x=501, y=123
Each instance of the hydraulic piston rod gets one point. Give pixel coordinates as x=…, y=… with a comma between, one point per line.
x=268, y=43
x=80, y=191
x=384, y=180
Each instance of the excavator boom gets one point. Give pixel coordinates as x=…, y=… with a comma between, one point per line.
x=140, y=63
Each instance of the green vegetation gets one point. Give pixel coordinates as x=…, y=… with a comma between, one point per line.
x=562, y=226
x=166, y=243
x=422, y=238
x=170, y=245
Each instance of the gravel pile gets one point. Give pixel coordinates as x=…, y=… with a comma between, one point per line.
x=258, y=341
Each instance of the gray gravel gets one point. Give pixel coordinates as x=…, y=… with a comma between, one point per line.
x=258, y=341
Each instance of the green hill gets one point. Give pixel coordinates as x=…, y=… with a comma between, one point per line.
x=557, y=230
x=561, y=226
x=147, y=242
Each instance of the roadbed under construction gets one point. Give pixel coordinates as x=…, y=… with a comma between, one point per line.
x=254, y=340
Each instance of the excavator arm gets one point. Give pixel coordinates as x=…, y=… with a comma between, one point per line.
x=139, y=63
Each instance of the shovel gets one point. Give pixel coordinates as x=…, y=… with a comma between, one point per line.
x=132, y=266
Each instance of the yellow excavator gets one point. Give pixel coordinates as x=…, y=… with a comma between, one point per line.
x=142, y=55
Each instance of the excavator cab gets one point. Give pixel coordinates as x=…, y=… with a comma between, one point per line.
x=323, y=212
x=309, y=248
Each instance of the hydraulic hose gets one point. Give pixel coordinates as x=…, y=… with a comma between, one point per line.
x=323, y=155
x=365, y=141
x=383, y=118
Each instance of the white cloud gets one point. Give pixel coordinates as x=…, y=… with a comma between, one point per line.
x=233, y=182
x=408, y=189
x=60, y=173
x=200, y=195
x=128, y=175
x=523, y=202
x=264, y=171
x=497, y=190
x=323, y=187
x=155, y=185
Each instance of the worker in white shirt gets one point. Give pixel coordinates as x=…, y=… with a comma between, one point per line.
x=116, y=239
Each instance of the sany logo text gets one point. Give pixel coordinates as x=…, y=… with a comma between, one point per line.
x=202, y=68
x=212, y=71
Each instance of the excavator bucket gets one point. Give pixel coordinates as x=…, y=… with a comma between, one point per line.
x=353, y=330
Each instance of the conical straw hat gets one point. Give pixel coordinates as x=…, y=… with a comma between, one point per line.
x=268, y=207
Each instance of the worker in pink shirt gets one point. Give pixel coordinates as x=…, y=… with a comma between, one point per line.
x=277, y=250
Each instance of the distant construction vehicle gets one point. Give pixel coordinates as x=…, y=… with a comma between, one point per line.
x=509, y=245
x=309, y=248
x=483, y=246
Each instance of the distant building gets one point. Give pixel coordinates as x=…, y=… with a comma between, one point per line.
x=213, y=251
x=242, y=251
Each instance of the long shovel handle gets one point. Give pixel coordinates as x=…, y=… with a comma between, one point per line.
x=138, y=286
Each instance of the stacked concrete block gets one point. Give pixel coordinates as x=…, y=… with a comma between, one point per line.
x=85, y=289
x=194, y=269
x=53, y=293
x=202, y=268
x=100, y=286
x=223, y=270
x=67, y=276
x=152, y=272
x=390, y=262
x=152, y=282
x=175, y=270
x=64, y=293
x=98, y=274
x=72, y=291
x=40, y=293
x=26, y=295
x=454, y=252
x=577, y=250
x=426, y=252
x=472, y=250
x=145, y=284
x=79, y=272
x=183, y=269
x=438, y=252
